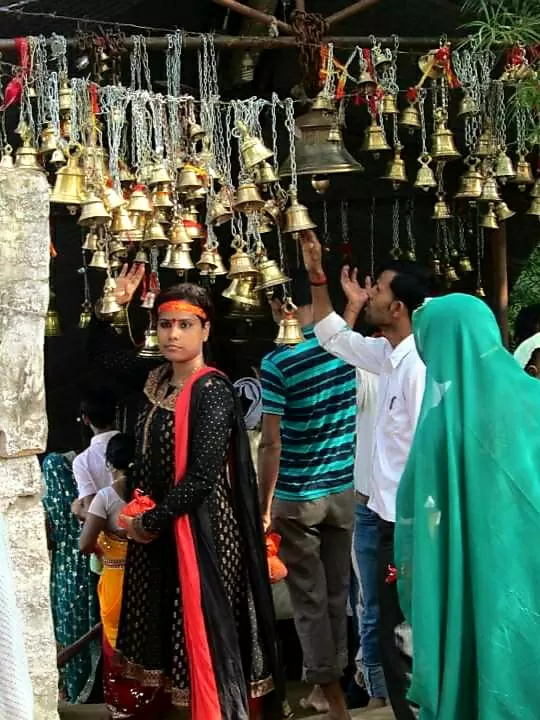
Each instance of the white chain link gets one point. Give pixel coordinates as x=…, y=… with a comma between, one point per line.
x=114, y=102
x=289, y=124
x=173, y=63
x=395, y=225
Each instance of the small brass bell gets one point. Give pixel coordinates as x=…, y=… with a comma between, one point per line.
x=486, y=143
x=503, y=211
x=489, y=220
x=265, y=227
x=196, y=132
x=52, y=324
x=442, y=141
x=99, y=260
x=270, y=274
x=116, y=246
x=320, y=183
x=126, y=176
x=93, y=212
x=504, y=169
x=480, y=292
x=436, y=265
x=535, y=208
x=64, y=96
x=535, y=192
x=207, y=261
x=159, y=175
x=161, y=198
x=468, y=107
x=192, y=225
x=465, y=264
x=471, y=183
x=196, y=197
x=69, y=184
x=7, y=158
x=490, y=191
x=375, y=139
x=450, y=274
x=154, y=233
x=395, y=171
x=366, y=82
x=180, y=259
x=441, y=210
x=48, y=140
x=57, y=159
x=141, y=257
x=115, y=263
x=219, y=268
x=241, y=265
x=410, y=117
x=121, y=221
x=219, y=214
x=324, y=103
x=389, y=105
x=248, y=199
x=85, y=317
x=290, y=332
x=273, y=211
x=66, y=129
x=178, y=234
x=297, y=217
x=252, y=149
x=264, y=174
x=27, y=157
x=139, y=202
x=150, y=349
x=90, y=242
x=523, y=176
x=113, y=199
x=108, y=304
x=120, y=320
x=189, y=180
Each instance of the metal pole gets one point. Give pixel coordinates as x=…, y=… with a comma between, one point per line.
x=231, y=42
x=350, y=11
x=254, y=14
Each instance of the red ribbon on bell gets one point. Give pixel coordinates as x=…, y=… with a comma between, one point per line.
x=14, y=88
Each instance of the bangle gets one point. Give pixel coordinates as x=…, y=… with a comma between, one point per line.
x=318, y=281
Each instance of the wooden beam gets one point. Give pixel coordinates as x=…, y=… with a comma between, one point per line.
x=349, y=11
x=254, y=14
x=500, y=279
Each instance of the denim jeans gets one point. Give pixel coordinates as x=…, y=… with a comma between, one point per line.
x=365, y=554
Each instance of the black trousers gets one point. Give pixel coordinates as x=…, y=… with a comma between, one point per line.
x=396, y=665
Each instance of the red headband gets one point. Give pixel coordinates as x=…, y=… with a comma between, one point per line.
x=182, y=306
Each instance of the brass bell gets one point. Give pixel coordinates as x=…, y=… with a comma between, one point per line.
x=471, y=183
x=441, y=210
x=535, y=192
x=252, y=149
x=93, y=212
x=272, y=210
x=116, y=246
x=230, y=291
x=86, y=316
x=324, y=103
x=90, y=242
x=115, y=263
x=196, y=197
x=48, y=140
x=126, y=176
x=178, y=234
x=375, y=139
x=242, y=292
x=523, y=176
x=167, y=258
x=468, y=107
x=159, y=175
x=248, y=199
x=120, y=320
x=410, y=117
x=219, y=268
x=389, y=105
x=265, y=227
x=196, y=132
x=52, y=324
x=66, y=129
x=219, y=214
x=480, y=292
x=27, y=156
x=139, y=202
x=192, y=225
x=396, y=172
x=69, y=184
x=450, y=274
x=207, y=261
x=490, y=191
x=150, y=348
x=121, y=221
x=99, y=260
x=366, y=82
x=189, y=180
x=486, y=143
x=180, y=259
x=161, y=198
x=465, y=264
x=264, y=174
x=7, y=158
x=489, y=220
x=154, y=233
x=436, y=265
x=535, y=207
x=270, y=274
x=320, y=183
x=57, y=159
x=503, y=211
x=442, y=142
x=64, y=96
x=95, y=161
x=504, y=169
x=241, y=265
x=141, y=257
x=297, y=217
x=161, y=215
x=113, y=199
x=107, y=303
x=290, y=332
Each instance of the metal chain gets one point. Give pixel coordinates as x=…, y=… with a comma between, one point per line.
x=289, y=124
x=59, y=53
x=500, y=112
x=114, y=104
x=145, y=63
x=157, y=121
x=326, y=233
x=520, y=128
x=422, y=111
x=228, y=149
x=41, y=75
x=136, y=64
x=275, y=103
x=329, y=82
x=173, y=63
x=486, y=62
x=409, y=226
x=344, y=210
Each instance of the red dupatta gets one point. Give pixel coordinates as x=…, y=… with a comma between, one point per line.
x=205, y=704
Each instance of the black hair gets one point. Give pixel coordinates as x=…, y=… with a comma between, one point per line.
x=99, y=406
x=300, y=288
x=527, y=323
x=120, y=451
x=191, y=293
x=411, y=284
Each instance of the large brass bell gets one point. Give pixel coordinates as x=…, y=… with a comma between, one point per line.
x=90, y=242
x=504, y=168
x=161, y=197
x=468, y=107
x=207, y=261
x=442, y=141
x=270, y=275
x=425, y=179
x=150, y=349
x=107, y=303
x=264, y=174
x=503, y=211
x=241, y=265
x=219, y=268
x=27, y=156
x=189, y=180
x=48, y=140
x=523, y=176
x=248, y=199
x=252, y=149
x=219, y=213
x=297, y=217
x=154, y=233
x=242, y=292
x=69, y=184
x=410, y=117
x=121, y=221
x=180, y=259
x=389, y=105
x=196, y=197
x=192, y=225
x=489, y=220
x=139, y=202
x=99, y=260
x=535, y=208
x=159, y=175
x=113, y=199
x=290, y=332
x=441, y=210
x=471, y=183
x=490, y=191
x=93, y=212
x=375, y=138
x=396, y=172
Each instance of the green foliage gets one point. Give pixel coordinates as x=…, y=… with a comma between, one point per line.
x=526, y=290
x=503, y=23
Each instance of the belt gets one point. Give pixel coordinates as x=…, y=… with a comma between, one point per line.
x=360, y=498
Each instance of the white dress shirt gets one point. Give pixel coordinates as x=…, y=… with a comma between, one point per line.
x=402, y=378
x=366, y=406
x=90, y=468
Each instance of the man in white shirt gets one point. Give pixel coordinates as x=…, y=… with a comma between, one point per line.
x=90, y=467
x=389, y=305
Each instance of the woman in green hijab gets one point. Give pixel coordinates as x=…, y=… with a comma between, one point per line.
x=468, y=522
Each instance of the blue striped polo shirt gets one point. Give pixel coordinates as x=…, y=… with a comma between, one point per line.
x=315, y=394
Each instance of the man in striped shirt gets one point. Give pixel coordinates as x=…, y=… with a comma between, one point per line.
x=306, y=467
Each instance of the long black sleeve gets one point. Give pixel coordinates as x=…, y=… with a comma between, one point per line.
x=209, y=441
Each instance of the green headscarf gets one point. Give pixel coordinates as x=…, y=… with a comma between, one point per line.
x=468, y=522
